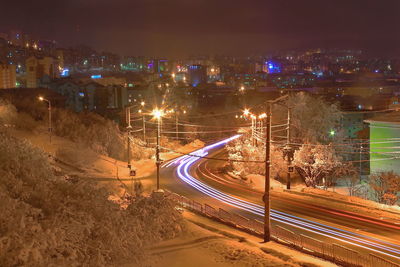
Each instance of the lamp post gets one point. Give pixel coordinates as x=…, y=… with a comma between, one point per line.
x=129, y=129
x=157, y=113
x=49, y=108
x=176, y=126
x=144, y=122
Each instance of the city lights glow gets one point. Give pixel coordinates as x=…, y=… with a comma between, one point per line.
x=157, y=113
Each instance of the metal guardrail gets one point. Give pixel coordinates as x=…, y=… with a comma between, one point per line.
x=329, y=251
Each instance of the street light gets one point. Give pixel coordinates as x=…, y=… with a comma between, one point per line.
x=262, y=116
x=41, y=98
x=157, y=114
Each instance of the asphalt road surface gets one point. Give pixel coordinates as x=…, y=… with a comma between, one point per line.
x=195, y=178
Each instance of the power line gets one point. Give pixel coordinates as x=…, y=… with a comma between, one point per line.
x=212, y=158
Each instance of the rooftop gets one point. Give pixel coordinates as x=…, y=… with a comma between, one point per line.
x=391, y=117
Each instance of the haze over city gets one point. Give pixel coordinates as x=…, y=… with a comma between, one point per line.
x=177, y=27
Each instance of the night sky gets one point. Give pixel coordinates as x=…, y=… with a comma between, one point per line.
x=180, y=28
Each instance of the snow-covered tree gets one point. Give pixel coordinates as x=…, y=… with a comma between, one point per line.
x=8, y=113
x=49, y=220
x=315, y=163
x=253, y=157
x=386, y=187
x=312, y=118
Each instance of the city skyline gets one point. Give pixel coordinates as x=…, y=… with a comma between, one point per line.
x=180, y=28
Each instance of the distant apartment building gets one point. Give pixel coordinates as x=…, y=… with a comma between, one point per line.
x=39, y=67
x=89, y=95
x=7, y=76
x=197, y=74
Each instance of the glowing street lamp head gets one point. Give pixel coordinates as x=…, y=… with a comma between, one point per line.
x=246, y=112
x=157, y=113
x=332, y=132
x=142, y=103
x=41, y=98
x=262, y=116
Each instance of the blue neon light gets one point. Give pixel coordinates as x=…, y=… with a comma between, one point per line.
x=273, y=67
x=65, y=73
x=98, y=76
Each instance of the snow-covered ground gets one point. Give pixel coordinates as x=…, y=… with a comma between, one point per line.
x=339, y=199
x=197, y=246
x=208, y=243
x=86, y=163
x=201, y=247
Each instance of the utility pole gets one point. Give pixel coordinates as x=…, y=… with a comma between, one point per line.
x=255, y=131
x=252, y=131
x=144, y=129
x=49, y=108
x=129, y=127
x=176, y=126
x=158, y=162
x=361, y=148
x=50, y=126
x=289, y=152
x=266, y=198
x=261, y=129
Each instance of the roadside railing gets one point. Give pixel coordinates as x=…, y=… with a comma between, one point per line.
x=329, y=251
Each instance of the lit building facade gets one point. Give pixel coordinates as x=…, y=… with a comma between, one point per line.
x=197, y=74
x=7, y=76
x=37, y=68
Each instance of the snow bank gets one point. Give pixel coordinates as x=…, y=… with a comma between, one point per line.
x=52, y=221
x=352, y=199
x=258, y=182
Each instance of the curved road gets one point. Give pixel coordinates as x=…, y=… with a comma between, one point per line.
x=191, y=176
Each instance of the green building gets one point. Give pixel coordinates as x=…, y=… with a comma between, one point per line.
x=385, y=142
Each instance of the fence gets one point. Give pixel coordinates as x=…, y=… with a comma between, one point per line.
x=332, y=252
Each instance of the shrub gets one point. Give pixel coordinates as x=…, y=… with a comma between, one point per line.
x=52, y=221
x=98, y=133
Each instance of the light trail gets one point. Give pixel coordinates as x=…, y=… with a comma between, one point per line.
x=185, y=162
x=207, y=173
